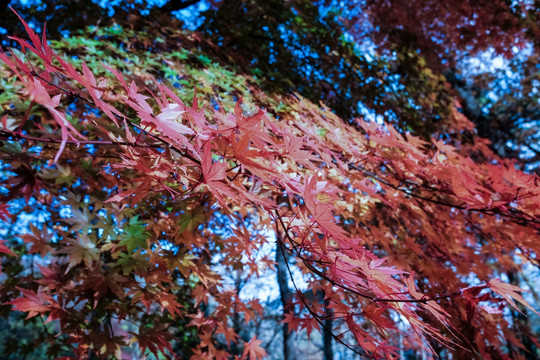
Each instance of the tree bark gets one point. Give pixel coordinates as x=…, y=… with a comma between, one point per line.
x=521, y=324
x=286, y=296
x=327, y=335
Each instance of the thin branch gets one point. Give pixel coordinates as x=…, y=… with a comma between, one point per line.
x=25, y=119
x=111, y=331
x=518, y=217
x=90, y=102
x=315, y=316
x=356, y=292
x=15, y=135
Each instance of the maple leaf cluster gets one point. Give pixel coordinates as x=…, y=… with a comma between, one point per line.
x=384, y=225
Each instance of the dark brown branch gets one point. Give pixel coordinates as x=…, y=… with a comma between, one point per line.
x=178, y=5
x=13, y=135
x=517, y=217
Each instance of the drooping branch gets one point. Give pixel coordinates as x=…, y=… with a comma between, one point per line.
x=9, y=135
x=356, y=292
x=144, y=130
x=516, y=216
x=337, y=338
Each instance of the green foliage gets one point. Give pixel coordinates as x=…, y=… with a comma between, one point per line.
x=133, y=235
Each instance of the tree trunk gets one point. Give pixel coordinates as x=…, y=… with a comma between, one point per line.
x=327, y=334
x=521, y=324
x=286, y=296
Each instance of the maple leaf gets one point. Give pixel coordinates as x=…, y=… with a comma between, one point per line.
x=153, y=339
x=79, y=219
x=322, y=213
x=39, y=94
x=26, y=182
x=39, y=239
x=133, y=235
x=432, y=306
x=199, y=320
x=191, y=219
x=253, y=350
x=81, y=249
x=310, y=324
x=471, y=295
x=146, y=295
x=510, y=293
x=60, y=174
x=214, y=175
x=292, y=321
x=53, y=277
x=228, y=332
x=200, y=294
x=99, y=283
x=96, y=91
x=375, y=314
x=106, y=344
x=170, y=302
x=136, y=262
x=212, y=171
x=250, y=158
x=40, y=46
x=293, y=148
x=4, y=249
x=207, y=341
x=442, y=147
x=366, y=341
x=34, y=303
x=247, y=124
x=377, y=272
x=4, y=212
x=168, y=124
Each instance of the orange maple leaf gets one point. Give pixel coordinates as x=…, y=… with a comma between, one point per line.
x=253, y=349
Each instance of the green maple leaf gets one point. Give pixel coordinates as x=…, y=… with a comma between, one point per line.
x=136, y=261
x=60, y=174
x=191, y=219
x=108, y=227
x=134, y=235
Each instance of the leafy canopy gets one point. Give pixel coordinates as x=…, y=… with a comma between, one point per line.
x=149, y=192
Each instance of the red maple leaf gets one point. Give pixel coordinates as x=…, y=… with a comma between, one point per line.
x=34, y=303
x=4, y=212
x=169, y=301
x=40, y=240
x=153, y=339
x=228, y=332
x=322, y=213
x=253, y=349
x=4, y=249
x=510, y=293
x=214, y=174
